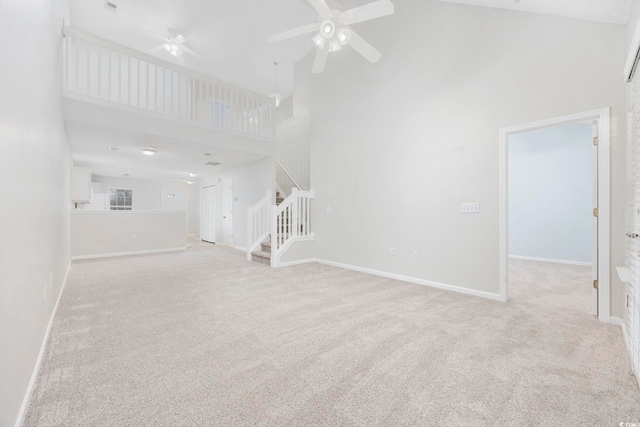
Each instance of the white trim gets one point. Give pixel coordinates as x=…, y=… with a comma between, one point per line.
x=297, y=262
x=114, y=254
x=43, y=346
x=604, y=197
x=554, y=261
x=443, y=286
x=281, y=251
x=616, y=321
x=240, y=248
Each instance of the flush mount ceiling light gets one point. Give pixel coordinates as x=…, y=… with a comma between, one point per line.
x=115, y=149
x=193, y=174
x=149, y=151
x=189, y=182
x=333, y=30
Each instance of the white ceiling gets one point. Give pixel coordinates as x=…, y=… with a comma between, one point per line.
x=231, y=37
x=174, y=159
x=609, y=11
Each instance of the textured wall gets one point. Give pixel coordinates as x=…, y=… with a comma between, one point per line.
x=397, y=146
x=35, y=169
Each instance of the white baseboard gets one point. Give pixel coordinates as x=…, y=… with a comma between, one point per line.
x=153, y=251
x=240, y=248
x=43, y=346
x=444, y=286
x=297, y=262
x=554, y=261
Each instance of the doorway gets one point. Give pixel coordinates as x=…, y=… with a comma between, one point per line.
x=592, y=249
x=227, y=212
x=208, y=214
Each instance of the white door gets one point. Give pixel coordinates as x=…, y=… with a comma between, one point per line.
x=208, y=214
x=594, y=244
x=227, y=212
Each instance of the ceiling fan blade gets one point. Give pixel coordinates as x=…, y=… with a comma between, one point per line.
x=368, y=11
x=321, y=7
x=358, y=44
x=294, y=32
x=179, y=39
x=181, y=60
x=160, y=48
x=320, y=60
x=190, y=51
x=165, y=39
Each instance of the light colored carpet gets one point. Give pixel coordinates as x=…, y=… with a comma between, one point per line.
x=203, y=337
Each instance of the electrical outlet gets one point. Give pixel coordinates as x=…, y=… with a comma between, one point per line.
x=415, y=254
x=392, y=251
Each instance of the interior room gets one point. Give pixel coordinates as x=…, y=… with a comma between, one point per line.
x=319, y=212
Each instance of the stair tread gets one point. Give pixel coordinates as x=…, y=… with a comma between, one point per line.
x=261, y=254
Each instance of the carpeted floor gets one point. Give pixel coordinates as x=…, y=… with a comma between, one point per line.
x=203, y=337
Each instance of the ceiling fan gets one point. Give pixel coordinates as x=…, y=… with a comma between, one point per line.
x=334, y=32
x=175, y=46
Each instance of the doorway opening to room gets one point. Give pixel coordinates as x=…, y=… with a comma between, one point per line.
x=554, y=221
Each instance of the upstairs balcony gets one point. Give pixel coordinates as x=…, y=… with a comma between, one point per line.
x=100, y=71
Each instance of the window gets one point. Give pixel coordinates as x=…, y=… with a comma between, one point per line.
x=120, y=200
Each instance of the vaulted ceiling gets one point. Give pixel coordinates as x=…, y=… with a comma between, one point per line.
x=231, y=35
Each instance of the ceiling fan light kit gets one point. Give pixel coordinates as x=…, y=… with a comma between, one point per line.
x=334, y=32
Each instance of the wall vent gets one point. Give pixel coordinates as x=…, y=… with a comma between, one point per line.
x=211, y=163
x=110, y=5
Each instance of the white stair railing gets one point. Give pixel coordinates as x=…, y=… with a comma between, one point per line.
x=284, y=179
x=291, y=221
x=109, y=72
x=259, y=223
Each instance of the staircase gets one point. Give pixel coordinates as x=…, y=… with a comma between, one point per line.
x=264, y=254
x=272, y=229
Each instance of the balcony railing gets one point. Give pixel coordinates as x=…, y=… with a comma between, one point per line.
x=98, y=68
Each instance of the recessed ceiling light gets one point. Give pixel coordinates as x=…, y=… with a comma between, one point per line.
x=115, y=149
x=149, y=151
x=193, y=174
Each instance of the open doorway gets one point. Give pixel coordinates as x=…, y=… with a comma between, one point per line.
x=554, y=211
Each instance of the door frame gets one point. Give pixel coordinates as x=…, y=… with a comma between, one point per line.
x=227, y=182
x=213, y=186
x=602, y=116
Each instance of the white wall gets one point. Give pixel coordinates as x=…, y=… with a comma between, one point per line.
x=550, y=193
x=397, y=146
x=293, y=137
x=148, y=195
x=109, y=233
x=250, y=184
x=35, y=168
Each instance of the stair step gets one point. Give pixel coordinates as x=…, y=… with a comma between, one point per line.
x=261, y=256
